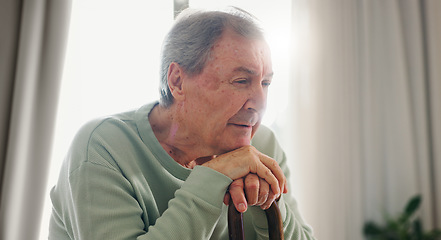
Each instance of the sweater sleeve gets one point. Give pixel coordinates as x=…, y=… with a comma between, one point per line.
x=196, y=208
x=112, y=212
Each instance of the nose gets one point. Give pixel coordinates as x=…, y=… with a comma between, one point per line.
x=256, y=99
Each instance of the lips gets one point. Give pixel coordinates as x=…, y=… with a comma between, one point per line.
x=244, y=119
x=243, y=125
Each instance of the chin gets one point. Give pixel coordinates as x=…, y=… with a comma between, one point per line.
x=239, y=143
x=244, y=142
x=234, y=140
x=230, y=146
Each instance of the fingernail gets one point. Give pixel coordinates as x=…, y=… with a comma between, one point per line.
x=241, y=207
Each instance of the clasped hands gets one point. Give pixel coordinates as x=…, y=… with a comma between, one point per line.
x=257, y=179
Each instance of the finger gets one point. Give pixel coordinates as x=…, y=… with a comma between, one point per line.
x=227, y=198
x=240, y=162
x=275, y=169
x=285, y=185
x=238, y=195
x=271, y=198
x=252, y=188
x=265, y=173
x=263, y=192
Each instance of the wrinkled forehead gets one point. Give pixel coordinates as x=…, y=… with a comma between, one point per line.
x=253, y=53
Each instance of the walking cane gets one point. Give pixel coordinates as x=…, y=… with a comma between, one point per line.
x=273, y=216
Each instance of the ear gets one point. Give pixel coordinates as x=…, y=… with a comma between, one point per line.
x=175, y=78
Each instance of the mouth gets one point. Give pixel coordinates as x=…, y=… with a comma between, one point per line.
x=244, y=120
x=241, y=125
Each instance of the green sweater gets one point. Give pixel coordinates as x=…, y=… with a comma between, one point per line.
x=117, y=182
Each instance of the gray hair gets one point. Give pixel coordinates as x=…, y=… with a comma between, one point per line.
x=191, y=38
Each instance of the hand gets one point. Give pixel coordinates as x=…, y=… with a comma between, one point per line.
x=242, y=163
x=252, y=191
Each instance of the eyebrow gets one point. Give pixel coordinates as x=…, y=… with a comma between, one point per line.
x=249, y=71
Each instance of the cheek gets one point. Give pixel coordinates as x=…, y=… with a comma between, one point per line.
x=221, y=100
x=230, y=103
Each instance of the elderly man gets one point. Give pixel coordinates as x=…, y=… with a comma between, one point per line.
x=165, y=170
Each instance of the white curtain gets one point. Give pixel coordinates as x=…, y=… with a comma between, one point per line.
x=366, y=111
x=33, y=41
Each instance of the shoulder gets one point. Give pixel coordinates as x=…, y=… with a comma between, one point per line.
x=263, y=134
x=266, y=142
x=103, y=127
x=95, y=136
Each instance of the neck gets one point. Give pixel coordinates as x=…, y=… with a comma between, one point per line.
x=173, y=136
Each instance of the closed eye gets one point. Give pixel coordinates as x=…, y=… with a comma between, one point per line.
x=241, y=81
x=266, y=83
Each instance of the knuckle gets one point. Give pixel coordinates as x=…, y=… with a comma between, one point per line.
x=250, y=147
x=252, y=180
x=252, y=186
x=268, y=172
x=236, y=184
x=264, y=193
x=251, y=177
x=247, y=148
x=274, y=164
x=250, y=150
x=271, y=195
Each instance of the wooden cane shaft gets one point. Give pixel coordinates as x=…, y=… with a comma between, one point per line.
x=273, y=216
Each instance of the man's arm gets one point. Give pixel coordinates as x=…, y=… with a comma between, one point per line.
x=100, y=204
